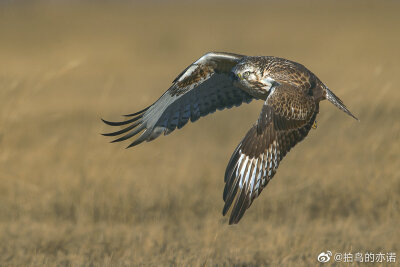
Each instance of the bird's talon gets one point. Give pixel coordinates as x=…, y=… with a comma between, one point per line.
x=314, y=126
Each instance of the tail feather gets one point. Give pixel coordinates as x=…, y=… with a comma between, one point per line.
x=338, y=103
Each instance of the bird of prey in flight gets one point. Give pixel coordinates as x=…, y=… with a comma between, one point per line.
x=291, y=95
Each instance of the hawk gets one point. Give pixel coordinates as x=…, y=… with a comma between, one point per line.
x=218, y=80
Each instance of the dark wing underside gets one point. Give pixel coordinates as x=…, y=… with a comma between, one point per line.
x=200, y=89
x=286, y=118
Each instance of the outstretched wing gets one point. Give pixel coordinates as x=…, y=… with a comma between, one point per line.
x=285, y=119
x=200, y=89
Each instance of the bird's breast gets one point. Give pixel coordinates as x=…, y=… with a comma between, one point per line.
x=254, y=88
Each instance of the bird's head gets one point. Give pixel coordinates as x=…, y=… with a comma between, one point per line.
x=249, y=76
x=245, y=75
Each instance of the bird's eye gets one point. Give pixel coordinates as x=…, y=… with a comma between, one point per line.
x=246, y=74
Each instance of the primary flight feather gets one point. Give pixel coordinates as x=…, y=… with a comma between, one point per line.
x=222, y=80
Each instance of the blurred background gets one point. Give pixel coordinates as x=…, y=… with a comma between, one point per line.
x=69, y=198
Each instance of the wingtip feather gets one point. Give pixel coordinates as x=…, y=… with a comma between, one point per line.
x=123, y=130
x=120, y=123
x=137, y=113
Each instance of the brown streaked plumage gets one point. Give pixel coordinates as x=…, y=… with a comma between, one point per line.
x=222, y=80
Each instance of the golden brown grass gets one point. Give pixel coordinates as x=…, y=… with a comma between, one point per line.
x=68, y=198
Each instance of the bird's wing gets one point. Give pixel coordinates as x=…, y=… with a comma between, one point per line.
x=286, y=118
x=200, y=89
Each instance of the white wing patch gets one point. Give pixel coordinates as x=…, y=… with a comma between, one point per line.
x=212, y=55
x=188, y=72
x=206, y=59
x=254, y=173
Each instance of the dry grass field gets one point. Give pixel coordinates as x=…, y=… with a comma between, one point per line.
x=69, y=198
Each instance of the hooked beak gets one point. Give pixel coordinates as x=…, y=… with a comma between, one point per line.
x=236, y=77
